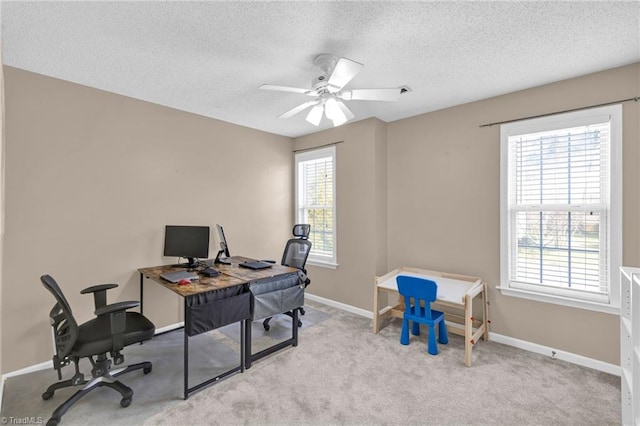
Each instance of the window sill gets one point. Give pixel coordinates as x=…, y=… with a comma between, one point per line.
x=559, y=300
x=328, y=265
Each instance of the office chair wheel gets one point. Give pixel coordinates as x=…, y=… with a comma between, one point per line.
x=47, y=395
x=302, y=312
x=299, y=323
x=53, y=422
x=125, y=402
x=147, y=370
x=267, y=327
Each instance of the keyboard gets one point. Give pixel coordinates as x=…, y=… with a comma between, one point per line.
x=256, y=265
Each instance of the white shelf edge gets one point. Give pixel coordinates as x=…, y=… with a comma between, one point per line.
x=629, y=344
x=627, y=379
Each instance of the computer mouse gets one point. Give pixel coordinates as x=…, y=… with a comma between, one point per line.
x=184, y=282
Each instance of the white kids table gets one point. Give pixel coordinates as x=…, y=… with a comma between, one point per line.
x=455, y=297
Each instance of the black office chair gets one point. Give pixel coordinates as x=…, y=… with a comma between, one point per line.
x=111, y=330
x=295, y=255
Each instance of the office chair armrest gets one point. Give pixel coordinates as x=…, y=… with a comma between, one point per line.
x=116, y=307
x=99, y=293
x=117, y=323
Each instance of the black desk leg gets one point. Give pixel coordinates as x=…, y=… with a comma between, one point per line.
x=219, y=377
x=247, y=344
x=294, y=325
x=186, y=355
x=293, y=341
x=243, y=354
x=141, y=293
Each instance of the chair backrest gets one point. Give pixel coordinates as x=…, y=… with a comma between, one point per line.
x=65, y=327
x=297, y=249
x=295, y=253
x=418, y=289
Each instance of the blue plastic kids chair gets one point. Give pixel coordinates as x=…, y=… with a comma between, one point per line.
x=421, y=289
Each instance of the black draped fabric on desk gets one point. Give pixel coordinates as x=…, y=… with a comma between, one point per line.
x=216, y=308
x=256, y=300
x=272, y=296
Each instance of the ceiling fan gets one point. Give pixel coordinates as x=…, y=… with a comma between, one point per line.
x=328, y=91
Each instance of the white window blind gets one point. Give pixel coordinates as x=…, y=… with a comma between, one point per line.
x=315, y=201
x=558, y=230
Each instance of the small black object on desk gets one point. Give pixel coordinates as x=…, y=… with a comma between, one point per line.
x=210, y=272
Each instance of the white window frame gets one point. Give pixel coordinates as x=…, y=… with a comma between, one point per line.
x=299, y=157
x=612, y=113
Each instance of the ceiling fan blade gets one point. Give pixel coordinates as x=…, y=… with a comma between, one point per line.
x=346, y=111
x=284, y=88
x=295, y=110
x=389, y=95
x=343, y=72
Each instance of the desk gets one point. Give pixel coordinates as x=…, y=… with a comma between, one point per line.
x=273, y=291
x=213, y=302
x=455, y=292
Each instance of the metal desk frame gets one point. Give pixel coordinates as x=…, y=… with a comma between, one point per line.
x=231, y=275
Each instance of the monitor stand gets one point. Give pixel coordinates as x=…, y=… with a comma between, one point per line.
x=223, y=260
x=192, y=262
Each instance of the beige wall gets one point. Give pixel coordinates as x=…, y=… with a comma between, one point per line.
x=424, y=192
x=444, y=182
x=361, y=212
x=380, y=197
x=92, y=178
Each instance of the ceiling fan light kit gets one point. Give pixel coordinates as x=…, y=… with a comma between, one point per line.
x=315, y=115
x=328, y=93
x=334, y=113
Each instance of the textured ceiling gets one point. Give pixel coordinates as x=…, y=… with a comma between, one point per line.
x=210, y=57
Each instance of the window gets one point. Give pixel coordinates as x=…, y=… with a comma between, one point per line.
x=560, y=218
x=316, y=202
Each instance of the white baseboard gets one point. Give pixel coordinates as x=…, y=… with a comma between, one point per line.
x=170, y=327
x=557, y=354
x=499, y=338
x=343, y=306
x=27, y=370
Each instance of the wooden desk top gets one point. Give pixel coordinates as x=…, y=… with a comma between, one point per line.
x=452, y=288
x=230, y=275
x=248, y=274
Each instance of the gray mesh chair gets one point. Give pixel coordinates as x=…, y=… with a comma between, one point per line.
x=295, y=255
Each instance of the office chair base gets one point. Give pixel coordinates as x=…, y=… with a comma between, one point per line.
x=107, y=379
x=266, y=325
x=125, y=391
x=60, y=385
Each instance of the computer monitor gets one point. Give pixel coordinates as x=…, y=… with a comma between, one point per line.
x=224, y=247
x=190, y=242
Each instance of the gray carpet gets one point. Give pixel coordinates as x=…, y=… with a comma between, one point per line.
x=340, y=373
